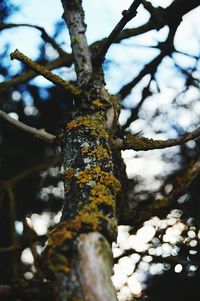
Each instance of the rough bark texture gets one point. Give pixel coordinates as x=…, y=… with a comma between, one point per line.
x=90, y=193
x=78, y=255
x=74, y=17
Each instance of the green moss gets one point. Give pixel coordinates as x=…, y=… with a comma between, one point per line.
x=58, y=244
x=142, y=143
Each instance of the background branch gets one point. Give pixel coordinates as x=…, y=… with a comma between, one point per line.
x=67, y=59
x=44, y=34
x=135, y=216
x=37, y=133
x=127, y=16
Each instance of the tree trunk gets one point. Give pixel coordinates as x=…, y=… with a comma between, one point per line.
x=78, y=255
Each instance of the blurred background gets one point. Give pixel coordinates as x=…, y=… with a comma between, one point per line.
x=157, y=251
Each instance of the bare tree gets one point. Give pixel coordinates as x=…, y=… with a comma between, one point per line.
x=78, y=257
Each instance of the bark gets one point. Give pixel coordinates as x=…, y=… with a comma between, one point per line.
x=74, y=17
x=90, y=275
x=78, y=256
x=90, y=193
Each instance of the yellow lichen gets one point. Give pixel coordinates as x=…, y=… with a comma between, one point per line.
x=92, y=122
x=98, y=104
x=85, y=150
x=99, y=176
x=69, y=173
x=92, y=219
x=76, y=40
x=59, y=235
x=100, y=152
x=102, y=192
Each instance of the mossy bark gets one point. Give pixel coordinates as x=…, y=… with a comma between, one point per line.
x=89, y=207
x=78, y=255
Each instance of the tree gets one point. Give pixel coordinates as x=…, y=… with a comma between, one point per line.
x=77, y=261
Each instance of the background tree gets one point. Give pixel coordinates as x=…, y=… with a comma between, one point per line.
x=89, y=146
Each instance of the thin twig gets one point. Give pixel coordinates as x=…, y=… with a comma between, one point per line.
x=37, y=133
x=127, y=16
x=136, y=216
x=150, y=68
x=55, y=79
x=67, y=59
x=36, y=168
x=24, y=243
x=44, y=34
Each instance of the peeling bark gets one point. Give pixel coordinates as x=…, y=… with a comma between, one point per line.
x=96, y=259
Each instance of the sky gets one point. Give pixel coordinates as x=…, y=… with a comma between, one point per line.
x=100, y=23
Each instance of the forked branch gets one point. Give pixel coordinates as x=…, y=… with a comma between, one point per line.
x=127, y=16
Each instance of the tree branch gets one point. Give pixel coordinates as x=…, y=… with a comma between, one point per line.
x=36, y=168
x=65, y=60
x=37, y=133
x=146, y=92
x=135, y=216
x=74, y=17
x=160, y=17
x=127, y=16
x=30, y=290
x=55, y=79
x=166, y=48
x=24, y=243
x=144, y=144
x=31, y=170
x=44, y=35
